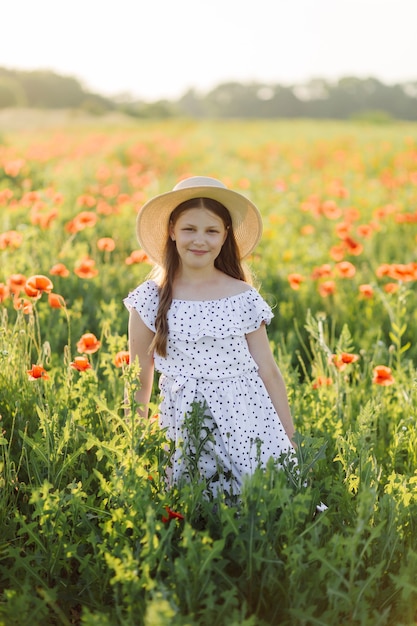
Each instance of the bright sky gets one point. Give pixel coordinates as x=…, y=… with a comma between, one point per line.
x=160, y=48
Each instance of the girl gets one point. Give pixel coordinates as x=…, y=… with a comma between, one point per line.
x=203, y=327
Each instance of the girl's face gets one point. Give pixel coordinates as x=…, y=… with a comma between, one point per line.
x=199, y=235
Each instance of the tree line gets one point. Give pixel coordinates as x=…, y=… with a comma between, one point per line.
x=345, y=98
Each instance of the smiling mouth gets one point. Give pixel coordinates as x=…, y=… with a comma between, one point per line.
x=198, y=252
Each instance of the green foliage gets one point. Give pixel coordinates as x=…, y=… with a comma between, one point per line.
x=92, y=533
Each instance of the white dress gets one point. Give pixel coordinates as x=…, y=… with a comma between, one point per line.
x=208, y=361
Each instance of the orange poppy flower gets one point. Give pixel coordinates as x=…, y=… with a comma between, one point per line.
x=85, y=219
x=365, y=230
x=36, y=372
x=322, y=381
x=16, y=283
x=342, y=360
x=367, y=291
x=5, y=195
x=12, y=168
x=81, y=363
x=56, y=301
x=106, y=244
x=383, y=270
x=21, y=304
x=308, y=229
x=10, y=239
x=4, y=292
x=88, y=343
x=295, y=280
x=391, y=287
x=171, y=515
x=86, y=200
x=122, y=358
x=137, y=256
x=330, y=210
x=86, y=268
x=37, y=285
x=355, y=248
x=383, y=376
x=346, y=269
x=338, y=252
x=59, y=269
x=327, y=288
x=323, y=271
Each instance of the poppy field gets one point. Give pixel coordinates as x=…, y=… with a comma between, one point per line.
x=90, y=533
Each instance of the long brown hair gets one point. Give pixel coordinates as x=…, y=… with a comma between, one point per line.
x=228, y=262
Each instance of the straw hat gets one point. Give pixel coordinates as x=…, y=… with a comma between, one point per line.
x=152, y=220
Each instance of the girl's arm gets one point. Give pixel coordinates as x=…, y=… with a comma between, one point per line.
x=140, y=339
x=271, y=376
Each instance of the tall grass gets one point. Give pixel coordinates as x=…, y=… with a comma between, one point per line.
x=91, y=533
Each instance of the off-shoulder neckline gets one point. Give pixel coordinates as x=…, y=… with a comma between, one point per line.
x=222, y=299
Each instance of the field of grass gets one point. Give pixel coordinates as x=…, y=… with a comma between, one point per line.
x=90, y=533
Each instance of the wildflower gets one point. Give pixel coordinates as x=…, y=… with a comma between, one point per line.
x=16, y=283
x=327, y=288
x=36, y=285
x=323, y=271
x=365, y=230
x=295, y=280
x=382, y=376
x=338, y=251
x=86, y=200
x=4, y=292
x=366, y=291
x=137, y=256
x=122, y=358
x=171, y=515
x=59, y=269
x=85, y=219
x=346, y=269
x=10, y=239
x=56, y=301
x=307, y=229
x=86, y=268
x=355, y=248
x=322, y=381
x=21, y=304
x=80, y=363
x=36, y=372
x=5, y=195
x=106, y=244
x=330, y=210
x=12, y=168
x=88, y=343
x=342, y=360
x=391, y=287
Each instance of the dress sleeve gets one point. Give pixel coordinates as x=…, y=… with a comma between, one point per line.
x=255, y=311
x=145, y=300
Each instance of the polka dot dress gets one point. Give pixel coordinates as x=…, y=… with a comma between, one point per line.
x=208, y=361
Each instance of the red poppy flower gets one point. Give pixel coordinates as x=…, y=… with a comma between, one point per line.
x=86, y=268
x=295, y=280
x=10, y=239
x=106, y=244
x=137, y=256
x=4, y=292
x=37, y=285
x=80, y=363
x=327, y=288
x=342, y=360
x=366, y=291
x=346, y=269
x=383, y=376
x=21, y=304
x=56, y=301
x=171, y=515
x=16, y=283
x=36, y=372
x=85, y=219
x=88, y=343
x=322, y=381
x=122, y=358
x=59, y=269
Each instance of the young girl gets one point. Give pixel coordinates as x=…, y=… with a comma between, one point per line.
x=203, y=327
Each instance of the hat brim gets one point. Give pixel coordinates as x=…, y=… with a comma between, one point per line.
x=152, y=219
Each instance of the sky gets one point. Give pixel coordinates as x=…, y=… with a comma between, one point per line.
x=155, y=49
